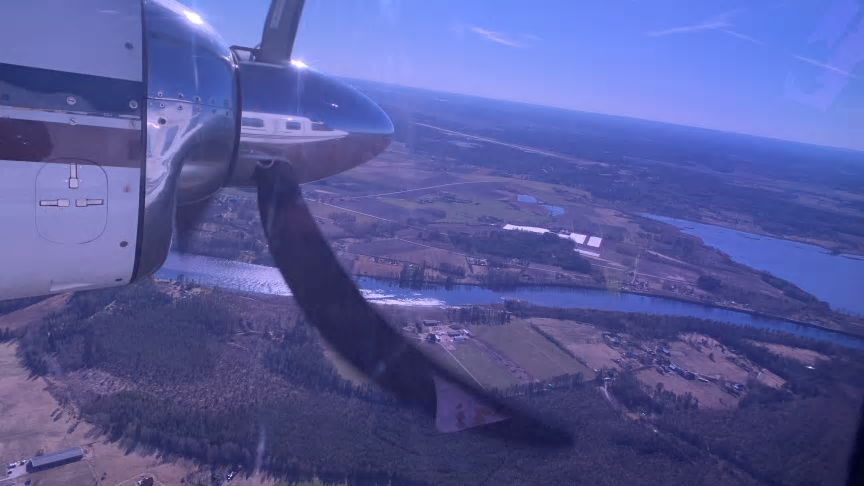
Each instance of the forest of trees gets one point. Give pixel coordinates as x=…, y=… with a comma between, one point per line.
x=338, y=431
x=476, y=314
x=708, y=283
x=632, y=394
x=790, y=290
x=547, y=248
x=6, y=334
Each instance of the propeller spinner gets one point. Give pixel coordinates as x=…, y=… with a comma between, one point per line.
x=294, y=114
x=319, y=125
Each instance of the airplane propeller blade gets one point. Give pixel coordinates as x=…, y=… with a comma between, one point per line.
x=333, y=304
x=280, y=29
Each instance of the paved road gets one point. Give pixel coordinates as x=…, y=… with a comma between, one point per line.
x=421, y=189
x=523, y=148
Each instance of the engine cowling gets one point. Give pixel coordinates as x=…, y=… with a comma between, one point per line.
x=192, y=121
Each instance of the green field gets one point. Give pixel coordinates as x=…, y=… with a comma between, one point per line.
x=468, y=213
x=516, y=342
x=539, y=357
x=489, y=372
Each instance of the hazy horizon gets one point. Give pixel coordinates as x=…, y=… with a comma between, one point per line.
x=350, y=80
x=789, y=72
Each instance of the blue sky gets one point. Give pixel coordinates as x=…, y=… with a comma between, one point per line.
x=785, y=69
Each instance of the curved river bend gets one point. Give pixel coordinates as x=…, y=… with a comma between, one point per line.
x=246, y=277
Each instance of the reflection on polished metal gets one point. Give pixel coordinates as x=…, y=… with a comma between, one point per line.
x=186, y=59
x=320, y=125
x=187, y=140
x=192, y=126
x=291, y=113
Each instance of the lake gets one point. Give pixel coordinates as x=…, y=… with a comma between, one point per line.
x=836, y=279
x=261, y=279
x=553, y=210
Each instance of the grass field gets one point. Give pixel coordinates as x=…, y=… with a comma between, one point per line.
x=485, y=368
x=508, y=352
x=536, y=354
x=468, y=212
x=586, y=342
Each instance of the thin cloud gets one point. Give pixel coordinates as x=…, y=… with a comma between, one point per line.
x=520, y=40
x=719, y=22
x=689, y=28
x=743, y=37
x=825, y=66
x=808, y=60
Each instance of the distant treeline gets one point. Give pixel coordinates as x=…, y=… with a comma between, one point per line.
x=790, y=290
x=654, y=172
x=477, y=314
x=546, y=248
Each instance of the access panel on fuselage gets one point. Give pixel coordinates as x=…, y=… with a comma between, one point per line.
x=71, y=144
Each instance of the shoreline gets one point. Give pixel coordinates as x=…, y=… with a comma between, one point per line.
x=754, y=313
x=676, y=298
x=757, y=232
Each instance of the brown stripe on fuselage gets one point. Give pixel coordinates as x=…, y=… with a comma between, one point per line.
x=52, y=142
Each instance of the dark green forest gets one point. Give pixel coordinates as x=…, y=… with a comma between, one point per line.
x=330, y=428
x=547, y=248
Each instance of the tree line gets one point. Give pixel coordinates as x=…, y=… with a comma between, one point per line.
x=546, y=248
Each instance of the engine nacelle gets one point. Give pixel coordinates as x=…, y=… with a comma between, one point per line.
x=192, y=122
x=113, y=112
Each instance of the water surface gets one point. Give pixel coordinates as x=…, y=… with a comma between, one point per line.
x=836, y=279
x=260, y=279
x=553, y=210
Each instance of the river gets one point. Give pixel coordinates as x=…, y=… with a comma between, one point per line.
x=835, y=279
x=261, y=279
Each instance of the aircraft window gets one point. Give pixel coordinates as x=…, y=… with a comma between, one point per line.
x=252, y=122
x=293, y=125
x=320, y=127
